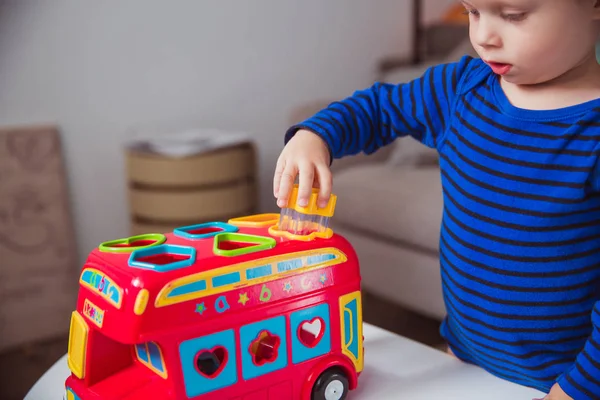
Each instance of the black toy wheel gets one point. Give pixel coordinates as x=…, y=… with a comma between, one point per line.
x=331, y=385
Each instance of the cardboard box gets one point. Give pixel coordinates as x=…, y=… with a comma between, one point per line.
x=38, y=250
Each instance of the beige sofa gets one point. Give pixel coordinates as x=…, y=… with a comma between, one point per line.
x=390, y=208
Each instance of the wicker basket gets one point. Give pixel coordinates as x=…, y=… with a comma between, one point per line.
x=168, y=192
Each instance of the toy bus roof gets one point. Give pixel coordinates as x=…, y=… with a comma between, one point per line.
x=161, y=258
x=176, y=270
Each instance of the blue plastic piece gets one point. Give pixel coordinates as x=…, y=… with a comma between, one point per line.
x=222, y=227
x=188, y=252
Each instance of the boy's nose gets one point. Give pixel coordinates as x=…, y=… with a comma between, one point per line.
x=485, y=35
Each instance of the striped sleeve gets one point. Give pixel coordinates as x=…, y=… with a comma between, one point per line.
x=376, y=116
x=582, y=380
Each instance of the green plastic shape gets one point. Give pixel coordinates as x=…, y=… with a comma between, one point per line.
x=235, y=244
x=130, y=244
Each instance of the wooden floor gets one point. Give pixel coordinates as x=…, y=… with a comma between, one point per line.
x=20, y=369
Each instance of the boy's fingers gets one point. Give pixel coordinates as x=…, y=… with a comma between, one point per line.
x=288, y=176
x=307, y=177
x=277, y=177
x=325, y=185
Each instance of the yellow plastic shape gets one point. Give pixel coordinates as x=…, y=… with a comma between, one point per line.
x=141, y=301
x=76, y=352
x=255, y=221
x=274, y=231
x=311, y=207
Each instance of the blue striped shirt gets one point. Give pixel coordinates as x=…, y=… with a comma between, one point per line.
x=519, y=254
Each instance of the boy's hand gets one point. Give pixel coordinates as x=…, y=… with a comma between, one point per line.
x=306, y=155
x=556, y=393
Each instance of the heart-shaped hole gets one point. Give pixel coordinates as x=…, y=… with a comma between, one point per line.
x=210, y=363
x=135, y=243
x=311, y=332
x=130, y=244
x=233, y=245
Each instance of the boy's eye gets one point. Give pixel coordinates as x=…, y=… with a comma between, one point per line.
x=471, y=12
x=514, y=17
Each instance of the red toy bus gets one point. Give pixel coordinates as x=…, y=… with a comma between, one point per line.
x=238, y=310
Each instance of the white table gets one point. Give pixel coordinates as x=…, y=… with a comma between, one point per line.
x=395, y=368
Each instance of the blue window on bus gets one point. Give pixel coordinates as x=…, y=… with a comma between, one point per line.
x=259, y=272
x=351, y=329
x=311, y=333
x=320, y=258
x=188, y=288
x=151, y=356
x=289, y=265
x=263, y=347
x=103, y=285
x=226, y=279
x=208, y=363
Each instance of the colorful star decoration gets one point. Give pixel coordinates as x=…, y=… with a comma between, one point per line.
x=200, y=308
x=243, y=299
x=323, y=279
x=287, y=286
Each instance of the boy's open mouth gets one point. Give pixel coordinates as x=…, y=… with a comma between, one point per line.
x=499, y=68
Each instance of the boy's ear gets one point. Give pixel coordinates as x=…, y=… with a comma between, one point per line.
x=597, y=9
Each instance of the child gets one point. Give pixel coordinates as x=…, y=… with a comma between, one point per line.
x=518, y=134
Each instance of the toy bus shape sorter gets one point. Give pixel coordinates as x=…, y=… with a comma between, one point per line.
x=264, y=307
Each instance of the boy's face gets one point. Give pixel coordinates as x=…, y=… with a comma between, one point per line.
x=533, y=41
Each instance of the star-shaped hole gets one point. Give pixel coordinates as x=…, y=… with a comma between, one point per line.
x=265, y=348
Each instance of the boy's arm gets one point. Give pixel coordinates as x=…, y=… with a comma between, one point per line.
x=374, y=117
x=582, y=380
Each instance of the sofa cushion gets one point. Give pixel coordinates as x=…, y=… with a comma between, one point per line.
x=402, y=204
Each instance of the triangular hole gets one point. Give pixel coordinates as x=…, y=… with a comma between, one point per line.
x=232, y=244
